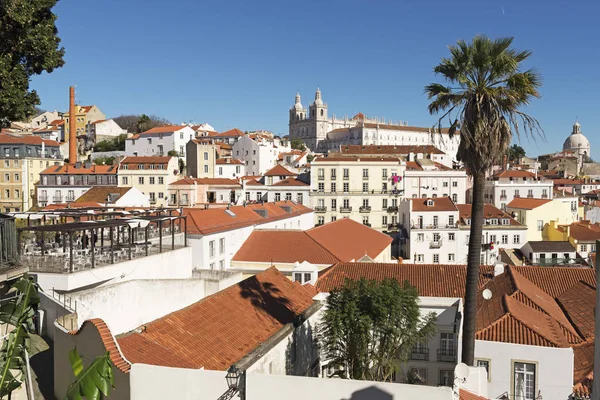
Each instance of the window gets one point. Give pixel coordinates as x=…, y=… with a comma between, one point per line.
x=584, y=247
x=485, y=364
x=333, y=204
x=258, y=196
x=206, y=155
x=333, y=187
x=365, y=187
x=346, y=173
x=384, y=173
x=384, y=220
x=504, y=239
x=420, y=237
x=277, y=196
x=333, y=173
x=346, y=203
x=320, y=220
x=446, y=377
x=455, y=197
x=222, y=246
x=517, y=193
x=492, y=238
x=247, y=196
x=212, y=265
x=321, y=187
x=420, y=257
x=451, y=220
x=445, y=184
x=435, y=221
x=365, y=173
x=211, y=249
x=321, y=173
x=161, y=180
x=141, y=180
x=365, y=220
x=333, y=218
x=346, y=187
x=288, y=196
x=17, y=194
x=152, y=180
x=384, y=204
x=16, y=177
x=365, y=202
x=516, y=239
x=125, y=180
x=524, y=381
x=419, y=375
x=540, y=225
x=530, y=193
x=455, y=184
x=161, y=195
x=222, y=264
x=451, y=257
x=447, y=343
x=436, y=258
x=299, y=198
x=451, y=237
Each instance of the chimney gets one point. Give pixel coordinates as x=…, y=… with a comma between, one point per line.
x=72, y=127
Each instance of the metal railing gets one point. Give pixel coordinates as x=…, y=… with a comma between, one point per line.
x=446, y=355
x=365, y=178
x=420, y=354
x=367, y=224
x=57, y=199
x=543, y=262
x=345, y=209
x=393, y=227
x=392, y=209
x=43, y=198
x=435, y=244
x=70, y=198
x=320, y=209
x=432, y=226
x=363, y=209
x=503, y=197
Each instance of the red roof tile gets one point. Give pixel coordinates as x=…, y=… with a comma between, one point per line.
x=557, y=280
x=527, y=203
x=579, y=303
x=439, y=204
x=583, y=369
x=583, y=231
x=221, y=329
x=222, y=161
x=489, y=211
x=6, y=138
x=146, y=160
x=290, y=182
x=99, y=194
x=231, y=133
x=279, y=170
x=464, y=394
x=164, y=129
x=512, y=173
x=70, y=169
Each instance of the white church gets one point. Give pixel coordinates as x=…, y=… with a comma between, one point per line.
x=321, y=133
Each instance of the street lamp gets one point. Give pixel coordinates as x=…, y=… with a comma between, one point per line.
x=233, y=378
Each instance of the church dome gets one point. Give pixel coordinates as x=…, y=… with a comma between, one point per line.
x=298, y=103
x=576, y=141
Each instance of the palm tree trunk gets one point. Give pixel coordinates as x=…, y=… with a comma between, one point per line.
x=472, y=284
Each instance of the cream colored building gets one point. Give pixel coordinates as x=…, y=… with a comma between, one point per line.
x=151, y=175
x=84, y=115
x=537, y=214
x=363, y=189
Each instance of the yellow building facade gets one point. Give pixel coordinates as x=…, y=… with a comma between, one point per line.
x=537, y=214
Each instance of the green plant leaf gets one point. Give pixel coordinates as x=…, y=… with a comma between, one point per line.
x=76, y=362
x=93, y=381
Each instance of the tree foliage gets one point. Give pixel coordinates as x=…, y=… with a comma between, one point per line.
x=17, y=313
x=181, y=165
x=92, y=382
x=140, y=123
x=515, y=152
x=296, y=144
x=104, y=160
x=484, y=91
x=116, y=144
x=369, y=328
x=173, y=153
x=29, y=45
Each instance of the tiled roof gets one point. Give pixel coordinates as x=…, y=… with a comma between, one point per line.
x=513, y=173
x=164, y=129
x=221, y=329
x=565, y=182
x=584, y=231
x=389, y=149
x=464, y=394
x=57, y=122
x=231, y=133
x=290, y=182
x=583, y=368
x=579, y=303
x=439, y=204
x=99, y=194
x=145, y=160
x=222, y=161
x=557, y=280
x=253, y=182
x=219, y=220
x=85, y=109
x=358, y=239
x=357, y=159
x=70, y=169
x=283, y=246
x=489, y=211
x=109, y=343
x=6, y=138
x=279, y=170
x=546, y=246
x=359, y=116
x=206, y=181
x=526, y=203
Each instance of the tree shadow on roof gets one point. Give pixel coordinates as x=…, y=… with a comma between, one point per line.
x=371, y=393
x=268, y=297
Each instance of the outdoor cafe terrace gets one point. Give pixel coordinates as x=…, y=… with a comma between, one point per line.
x=76, y=246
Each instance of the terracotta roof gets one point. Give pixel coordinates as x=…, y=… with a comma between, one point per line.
x=279, y=170
x=133, y=137
x=579, y=303
x=512, y=173
x=206, y=181
x=70, y=169
x=253, y=182
x=564, y=182
x=389, y=149
x=357, y=159
x=524, y=203
x=85, y=109
x=489, y=211
x=359, y=116
x=464, y=394
x=57, y=122
x=164, y=129
x=145, y=160
x=547, y=246
x=99, y=121
x=439, y=204
x=584, y=231
x=6, y=138
x=231, y=133
x=221, y=329
x=222, y=161
x=109, y=343
x=583, y=369
x=99, y=194
x=413, y=166
x=290, y=182
x=557, y=280
x=214, y=220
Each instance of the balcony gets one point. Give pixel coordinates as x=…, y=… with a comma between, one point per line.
x=365, y=178
x=321, y=177
x=393, y=227
x=367, y=224
x=530, y=196
x=432, y=226
x=333, y=177
x=70, y=198
x=345, y=209
x=503, y=197
x=172, y=202
x=43, y=198
x=435, y=244
x=420, y=354
x=365, y=209
x=57, y=199
x=153, y=200
x=346, y=177
x=392, y=209
x=320, y=209
x=446, y=355
x=184, y=202
x=544, y=196
x=319, y=224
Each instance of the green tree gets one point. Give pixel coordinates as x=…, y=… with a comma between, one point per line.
x=104, y=160
x=309, y=158
x=29, y=45
x=173, y=153
x=369, y=328
x=143, y=123
x=486, y=89
x=17, y=313
x=92, y=382
x=296, y=144
x=515, y=152
x=181, y=166
x=116, y=144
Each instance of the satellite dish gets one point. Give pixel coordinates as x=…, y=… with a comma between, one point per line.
x=461, y=372
x=487, y=294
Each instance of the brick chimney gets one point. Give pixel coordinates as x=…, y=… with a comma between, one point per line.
x=72, y=127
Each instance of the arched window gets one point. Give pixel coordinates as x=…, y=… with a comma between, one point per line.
x=322, y=112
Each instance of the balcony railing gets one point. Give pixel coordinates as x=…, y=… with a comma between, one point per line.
x=367, y=224
x=542, y=262
x=392, y=209
x=57, y=199
x=43, y=198
x=446, y=355
x=420, y=354
x=70, y=198
x=320, y=223
x=530, y=196
x=544, y=196
x=346, y=177
x=333, y=177
x=172, y=202
x=365, y=178
x=432, y=226
x=153, y=200
x=393, y=227
x=345, y=209
x=364, y=209
x=184, y=202
x=321, y=177
x=503, y=197
x=320, y=209
x=435, y=244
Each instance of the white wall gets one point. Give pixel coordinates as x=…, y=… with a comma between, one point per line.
x=554, y=370
x=172, y=264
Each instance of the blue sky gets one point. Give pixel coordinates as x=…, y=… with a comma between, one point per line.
x=239, y=63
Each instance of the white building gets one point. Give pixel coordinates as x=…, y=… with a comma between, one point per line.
x=504, y=186
x=436, y=231
x=193, y=192
x=425, y=178
x=258, y=154
x=277, y=184
x=578, y=144
x=152, y=175
x=160, y=141
x=216, y=234
x=546, y=252
x=104, y=129
x=366, y=190
x=229, y=168
x=321, y=133
x=116, y=196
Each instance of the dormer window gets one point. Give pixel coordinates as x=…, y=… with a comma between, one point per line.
x=468, y=221
x=505, y=221
x=494, y=221
x=430, y=203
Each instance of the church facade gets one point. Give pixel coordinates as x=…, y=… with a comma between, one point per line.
x=578, y=144
x=322, y=133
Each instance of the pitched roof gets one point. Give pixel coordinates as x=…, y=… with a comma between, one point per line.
x=279, y=170
x=389, y=149
x=513, y=173
x=164, y=129
x=566, y=181
x=290, y=182
x=222, y=161
x=557, y=280
x=550, y=246
x=584, y=231
x=525, y=203
x=6, y=138
x=579, y=303
x=439, y=204
x=464, y=394
x=583, y=369
x=489, y=211
x=243, y=317
x=99, y=194
x=206, y=181
x=231, y=133
x=71, y=169
x=145, y=160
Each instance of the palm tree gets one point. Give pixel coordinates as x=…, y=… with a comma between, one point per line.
x=486, y=89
